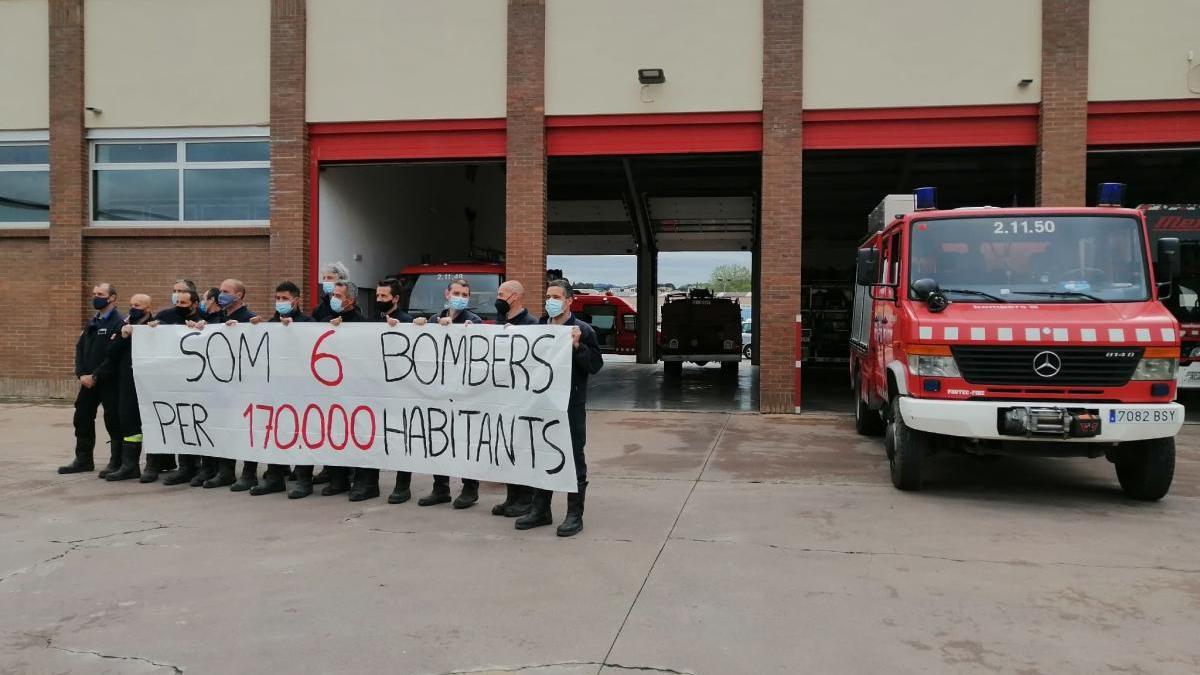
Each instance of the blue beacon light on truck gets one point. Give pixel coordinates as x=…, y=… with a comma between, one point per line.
x=926, y=198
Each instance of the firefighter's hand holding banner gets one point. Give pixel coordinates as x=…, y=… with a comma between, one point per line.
x=483, y=402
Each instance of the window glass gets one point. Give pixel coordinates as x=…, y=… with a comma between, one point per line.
x=149, y=194
x=226, y=194
x=228, y=152
x=24, y=154
x=136, y=153
x=24, y=196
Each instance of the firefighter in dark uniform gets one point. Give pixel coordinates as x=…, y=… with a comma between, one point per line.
x=186, y=309
x=331, y=273
x=343, y=302
x=287, y=312
x=510, y=309
x=179, y=289
x=118, y=367
x=90, y=350
x=458, y=298
x=586, y=361
x=215, y=471
x=366, y=481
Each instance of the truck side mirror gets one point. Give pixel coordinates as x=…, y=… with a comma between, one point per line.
x=1167, y=264
x=868, y=266
x=630, y=323
x=923, y=288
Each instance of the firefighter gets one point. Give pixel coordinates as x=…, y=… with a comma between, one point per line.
x=331, y=273
x=231, y=310
x=118, y=367
x=287, y=312
x=366, y=481
x=90, y=350
x=186, y=309
x=179, y=289
x=510, y=308
x=458, y=299
x=586, y=361
x=343, y=302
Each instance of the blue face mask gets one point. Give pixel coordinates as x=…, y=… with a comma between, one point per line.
x=283, y=307
x=327, y=286
x=203, y=306
x=226, y=299
x=99, y=303
x=459, y=303
x=554, y=307
x=336, y=305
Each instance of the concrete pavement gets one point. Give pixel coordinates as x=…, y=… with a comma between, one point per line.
x=714, y=543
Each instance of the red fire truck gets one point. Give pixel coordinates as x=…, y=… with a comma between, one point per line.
x=1182, y=222
x=423, y=294
x=1018, y=331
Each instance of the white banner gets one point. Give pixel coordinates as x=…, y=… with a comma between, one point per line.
x=484, y=402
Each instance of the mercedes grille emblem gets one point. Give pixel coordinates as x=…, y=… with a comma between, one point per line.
x=1047, y=364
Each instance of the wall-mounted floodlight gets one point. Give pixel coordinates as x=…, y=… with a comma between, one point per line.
x=1025, y=82
x=651, y=75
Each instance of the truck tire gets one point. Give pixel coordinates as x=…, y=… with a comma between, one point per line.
x=729, y=370
x=867, y=422
x=1145, y=468
x=908, y=449
x=673, y=369
x=748, y=352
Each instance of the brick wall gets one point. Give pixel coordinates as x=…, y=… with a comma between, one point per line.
x=138, y=264
x=1062, y=127
x=289, y=145
x=779, y=239
x=525, y=180
x=25, y=276
x=68, y=188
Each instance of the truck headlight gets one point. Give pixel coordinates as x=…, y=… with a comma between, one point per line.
x=673, y=344
x=728, y=344
x=928, y=365
x=1155, y=369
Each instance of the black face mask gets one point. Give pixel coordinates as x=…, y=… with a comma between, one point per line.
x=386, y=307
x=502, y=307
x=136, y=315
x=183, y=312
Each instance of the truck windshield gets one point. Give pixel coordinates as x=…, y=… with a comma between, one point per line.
x=425, y=294
x=1184, y=303
x=1039, y=259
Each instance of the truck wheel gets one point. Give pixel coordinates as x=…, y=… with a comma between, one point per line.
x=673, y=369
x=747, y=352
x=729, y=370
x=1145, y=468
x=908, y=451
x=867, y=422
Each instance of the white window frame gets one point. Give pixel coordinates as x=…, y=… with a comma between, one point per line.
x=180, y=138
x=25, y=138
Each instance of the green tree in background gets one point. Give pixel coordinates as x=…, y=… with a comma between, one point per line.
x=730, y=279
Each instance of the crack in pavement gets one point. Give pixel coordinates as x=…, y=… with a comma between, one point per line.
x=603, y=665
x=176, y=669
x=74, y=545
x=926, y=556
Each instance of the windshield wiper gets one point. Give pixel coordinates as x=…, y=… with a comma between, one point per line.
x=967, y=291
x=1061, y=294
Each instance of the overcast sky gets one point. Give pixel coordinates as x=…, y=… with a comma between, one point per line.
x=676, y=268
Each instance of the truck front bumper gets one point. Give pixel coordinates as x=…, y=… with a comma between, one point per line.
x=981, y=419
x=696, y=358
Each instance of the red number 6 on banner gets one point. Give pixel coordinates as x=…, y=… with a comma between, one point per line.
x=321, y=356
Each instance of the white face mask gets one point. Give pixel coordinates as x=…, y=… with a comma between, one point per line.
x=554, y=307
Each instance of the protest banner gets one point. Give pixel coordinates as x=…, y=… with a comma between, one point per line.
x=480, y=401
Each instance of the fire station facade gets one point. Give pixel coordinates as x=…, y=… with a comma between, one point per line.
x=143, y=140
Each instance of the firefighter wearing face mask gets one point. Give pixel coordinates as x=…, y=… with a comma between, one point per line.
x=90, y=351
x=458, y=301
x=118, y=368
x=231, y=301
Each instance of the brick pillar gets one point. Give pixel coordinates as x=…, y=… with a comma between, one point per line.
x=1062, y=127
x=69, y=184
x=778, y=301
x=289, y=147
x=525, y=180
